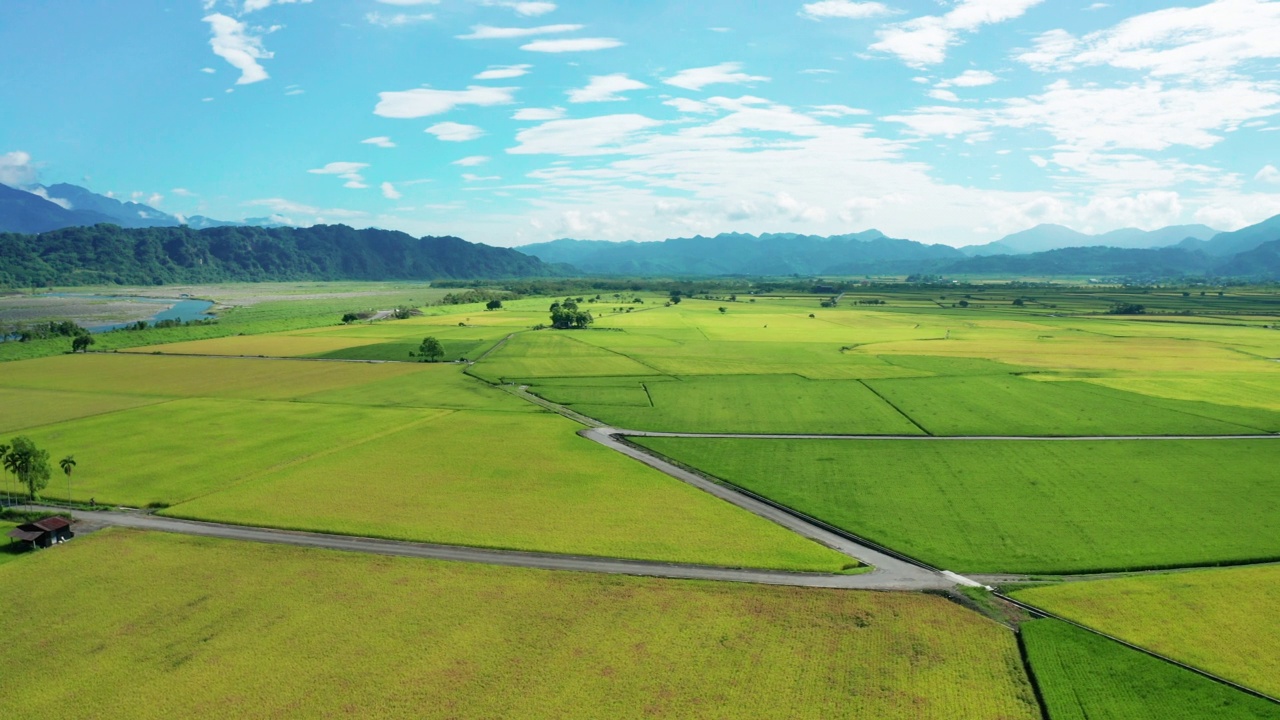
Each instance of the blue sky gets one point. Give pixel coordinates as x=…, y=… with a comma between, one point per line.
x=511, y=122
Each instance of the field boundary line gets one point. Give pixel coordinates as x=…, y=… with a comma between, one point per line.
x=1031, y=675
x=943, y=438
x=1034, y=610
x=899, y=410
x=621, y=355
x=165, y=401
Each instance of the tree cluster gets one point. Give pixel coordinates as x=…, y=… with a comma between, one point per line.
x=566, y=315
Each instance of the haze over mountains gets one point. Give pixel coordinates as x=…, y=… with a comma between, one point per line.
x=41, y=255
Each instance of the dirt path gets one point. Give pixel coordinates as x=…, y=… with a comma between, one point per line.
x=877, y=580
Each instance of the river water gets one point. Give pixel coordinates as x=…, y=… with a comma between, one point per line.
x=180, y=309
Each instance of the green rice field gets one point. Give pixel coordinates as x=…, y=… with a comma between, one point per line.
x=1020, y=506
x=1083, y=676
x=1224, y=621
x=158, y=626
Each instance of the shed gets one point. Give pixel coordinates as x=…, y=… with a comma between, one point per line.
x=43, y=533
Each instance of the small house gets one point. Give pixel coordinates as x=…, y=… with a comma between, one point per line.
x=43, y=533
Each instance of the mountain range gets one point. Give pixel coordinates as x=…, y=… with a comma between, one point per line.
x=42, y=208
x=45, y=220
x=110, y=254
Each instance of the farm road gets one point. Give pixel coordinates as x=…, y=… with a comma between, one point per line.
x=933, y=438
x=883, y=578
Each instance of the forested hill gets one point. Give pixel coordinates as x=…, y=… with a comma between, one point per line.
x=105, y=254
x=739, y=254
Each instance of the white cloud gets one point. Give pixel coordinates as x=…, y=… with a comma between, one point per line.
x=924, y=40
x=397, y=19
x=381, y=141
x=455, y=132
x=503, y=72
x=16, y=168
x=1205, y=40
x=295, y=91
x=208, y=71
x=1268, y=174
x=349, y=171
x=471, y=177
x=539, y=114
x=571, y=45
x=843, y=9
x=182, y=192
x=60, y=202
x=837, y=111
x=686, y=105
x=256, y=5
x=524, y=8
x=488, y=32
x=605, y=88
x=472, y=161
x=724, y=73
x=422, y=102
x=943, y=95
x=587, y=136
x=970, y=78
x=942, y=120
x=389, y=191
x=233, y=42
x=409, y=3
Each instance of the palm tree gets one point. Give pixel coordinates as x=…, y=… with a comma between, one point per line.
x=68, y=464
x=4, y=453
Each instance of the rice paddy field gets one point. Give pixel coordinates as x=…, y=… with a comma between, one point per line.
x=280, y=416
x=1083, y=676
x=158, y=626
x=1224, y=621
x=1020, y=506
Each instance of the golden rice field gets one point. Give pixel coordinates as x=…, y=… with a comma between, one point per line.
x=1225, y=621
x=511, y=481
x=160, y=626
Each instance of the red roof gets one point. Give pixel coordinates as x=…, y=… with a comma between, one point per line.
x=51, y=524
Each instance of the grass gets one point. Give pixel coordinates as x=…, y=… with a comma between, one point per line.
x=159, y=626
x=1086, y=677
x=186, y=377
x=1008, y=405
x=554, y=354
x=174, y=451
x=514, y=481
x=1221, y=620
x=9, y=551
x=32, y=408
x=738, y=404
x=271, y=345
x=432, y=386
x=1021, y=506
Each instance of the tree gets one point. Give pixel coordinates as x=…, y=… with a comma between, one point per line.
x=349, y=318
x=1018, y=302
x=4, y=453
x=723, y=310
x=567, y=315
x=403, y=312
x=81, y=343
x=493, y=305
x=68, y=464
x=29, y=463
x=431, y=350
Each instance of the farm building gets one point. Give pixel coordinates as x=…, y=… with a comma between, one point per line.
x=43, y=533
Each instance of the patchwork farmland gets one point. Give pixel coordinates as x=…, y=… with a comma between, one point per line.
x=817, y=453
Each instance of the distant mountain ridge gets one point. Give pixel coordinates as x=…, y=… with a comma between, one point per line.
x=1043, y=238
x=110, y=254
x=742, y=254
x=52, y=207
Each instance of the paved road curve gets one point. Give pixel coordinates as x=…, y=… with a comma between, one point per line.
x=880, y=579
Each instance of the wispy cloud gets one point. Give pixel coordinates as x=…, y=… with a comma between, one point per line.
x=422, y=102
x=472, y=161
x=925, y=40
x=488, y=32
x=724, y=73
x=970, y=78
x=572, y=45
x=605, y=88
x=539, y=114
x=503, y=72
x=390, y=20
x=455, y=132
x=523, y=7
x=349, y=171
x=256, y=5
x=389, y=191
x=844, y=9
x=233, y=42
x=381, y=141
